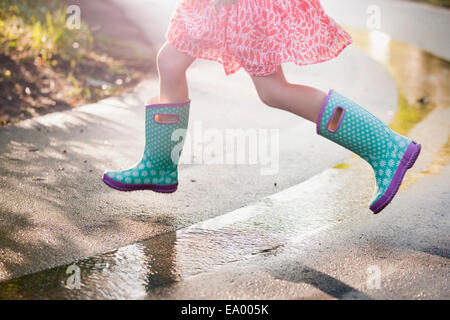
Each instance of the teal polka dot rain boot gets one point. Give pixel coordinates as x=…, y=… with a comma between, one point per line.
x=158, y=169
x=389, y=153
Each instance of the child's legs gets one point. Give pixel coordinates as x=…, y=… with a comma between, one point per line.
x=276, y=92
x=172, y=66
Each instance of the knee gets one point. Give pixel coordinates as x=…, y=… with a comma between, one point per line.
x=269, y=96
x=168, y=67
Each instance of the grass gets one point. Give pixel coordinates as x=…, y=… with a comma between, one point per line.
x=442, y=3
x=46, y=66
x=30, y=28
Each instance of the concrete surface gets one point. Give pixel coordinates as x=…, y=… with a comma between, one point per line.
x=413, y=22
x=55, y=207
x=55, y=210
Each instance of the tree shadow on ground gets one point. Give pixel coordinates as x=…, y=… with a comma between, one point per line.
x=53, y=202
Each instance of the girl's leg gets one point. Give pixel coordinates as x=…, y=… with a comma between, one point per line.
x=301, y=100
x=158, y=168
x=345, y=122
x=172, y=66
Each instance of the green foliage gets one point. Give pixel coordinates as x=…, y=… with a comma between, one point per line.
x=46, y=64
x=442, y=3
x=30, y=28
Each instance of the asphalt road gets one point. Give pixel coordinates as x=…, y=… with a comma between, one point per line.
x=267, y=236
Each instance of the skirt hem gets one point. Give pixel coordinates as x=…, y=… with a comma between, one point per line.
x=230, y=71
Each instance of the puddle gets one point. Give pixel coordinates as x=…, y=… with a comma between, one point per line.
x=144, y=268
x=421, y=78
x=149, y=267
x=137, y=270
x=342, y=166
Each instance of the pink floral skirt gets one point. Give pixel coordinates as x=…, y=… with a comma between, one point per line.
x=258, y=35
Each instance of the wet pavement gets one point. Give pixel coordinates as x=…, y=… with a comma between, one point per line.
x=273, y=250
x=59, y=159
x=310, y=236
x=145, y=267
x=270, y=237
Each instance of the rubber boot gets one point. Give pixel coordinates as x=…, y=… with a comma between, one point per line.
x=158, y=169
x=389, y=153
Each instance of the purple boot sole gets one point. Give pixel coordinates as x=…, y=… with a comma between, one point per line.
x=408, y=160
x=135, y=187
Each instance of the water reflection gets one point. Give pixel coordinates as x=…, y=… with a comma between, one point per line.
x=149, y=267
x=421, y=78
x=126, y=273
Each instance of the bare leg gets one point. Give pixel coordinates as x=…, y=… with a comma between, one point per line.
x=276, y=92
x=385, y=148
x=172, y=66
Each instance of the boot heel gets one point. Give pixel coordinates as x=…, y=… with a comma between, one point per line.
x=164, y=189
x=414, y=155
